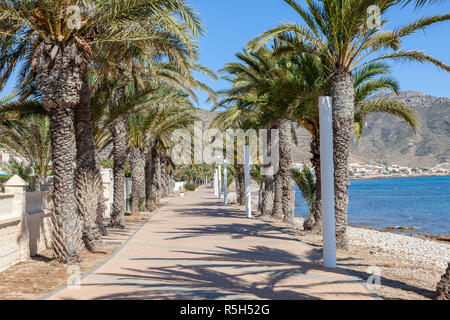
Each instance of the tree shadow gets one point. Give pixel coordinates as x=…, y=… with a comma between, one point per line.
x=256, y=273
x=42, y=258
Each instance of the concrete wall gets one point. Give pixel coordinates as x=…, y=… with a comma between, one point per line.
x=25, y=223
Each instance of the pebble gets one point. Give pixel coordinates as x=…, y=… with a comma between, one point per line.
x=417, y=251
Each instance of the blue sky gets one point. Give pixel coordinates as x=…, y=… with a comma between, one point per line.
x=230, y=24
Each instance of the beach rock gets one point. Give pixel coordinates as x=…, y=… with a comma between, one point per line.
x=389, y=229
x=443, y=287
x=444, y=237
x=400, y=228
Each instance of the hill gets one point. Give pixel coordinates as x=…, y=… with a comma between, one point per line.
x=387, y=140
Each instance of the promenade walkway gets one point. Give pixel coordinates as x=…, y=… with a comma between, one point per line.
x=197, y=248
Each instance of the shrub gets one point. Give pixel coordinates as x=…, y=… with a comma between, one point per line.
x=190, y=186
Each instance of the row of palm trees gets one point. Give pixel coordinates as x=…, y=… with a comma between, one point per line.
x=330, y=51
x=87, y=74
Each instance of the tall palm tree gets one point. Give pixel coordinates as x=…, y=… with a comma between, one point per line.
x=442, y=288
x=58, y=49
x=30, y=138
x=306, y=183
x=253, y=102
x=177, y=73
x=338, y=31
x=175, y=113
x=368, y=80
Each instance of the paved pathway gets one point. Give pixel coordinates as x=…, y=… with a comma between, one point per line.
x=196, y=248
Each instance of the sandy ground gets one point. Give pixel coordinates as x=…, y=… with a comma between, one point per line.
x=24, y=281
x=399, y=279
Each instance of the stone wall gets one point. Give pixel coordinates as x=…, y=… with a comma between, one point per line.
x=23, y=233
x=14, y=242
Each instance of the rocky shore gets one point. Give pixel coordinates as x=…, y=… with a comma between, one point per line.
x=419, y=251
x=399, y=176
x=410, y=267
x=415, y=250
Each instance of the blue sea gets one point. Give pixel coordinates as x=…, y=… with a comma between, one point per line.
x=420, y=202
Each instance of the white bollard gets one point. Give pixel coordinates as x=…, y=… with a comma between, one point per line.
x=327, y=174
x=225, y=182
x=220, y=180
x=248, y=193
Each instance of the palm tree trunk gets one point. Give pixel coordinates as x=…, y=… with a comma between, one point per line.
x=137, y=161
x=240, y=190
x=267, y=193
x=148, y=181
x=343, y=108
x=277, y=208
x=164, y=178
x=89, y=191
x=67, y=224
x=287, y=182
x=155, y=177
x=119, y=135
x=443, y=287
x=58, y=77
x=260, y=198
x=314, y=221
x=237, y=186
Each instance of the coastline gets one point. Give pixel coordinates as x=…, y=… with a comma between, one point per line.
x=398, y=176
x=409, y=267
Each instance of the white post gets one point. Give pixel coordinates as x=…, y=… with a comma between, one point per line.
x=225, y=182
x=220, y=180
x=248, y=193
x=215, y=182
x=327, y=174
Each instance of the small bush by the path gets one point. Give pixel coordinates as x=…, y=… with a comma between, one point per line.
x=190, y=186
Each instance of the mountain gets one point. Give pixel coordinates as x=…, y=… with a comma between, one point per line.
x=390, y=140
x=387, y=140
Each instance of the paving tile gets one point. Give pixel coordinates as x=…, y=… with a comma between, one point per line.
x=196, y=248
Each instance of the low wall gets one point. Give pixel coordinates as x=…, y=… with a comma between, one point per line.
x=25, y=218
x=25, y=223
x=14, y=241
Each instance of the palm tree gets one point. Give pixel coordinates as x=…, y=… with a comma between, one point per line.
x=367, y=81
x=443, y=286
x=27, y=134
x=177, y=113
x=339, y=33
x=58, y=50
x=177, y=73
x=252, y=102
x=306, y=183
x=30, y=138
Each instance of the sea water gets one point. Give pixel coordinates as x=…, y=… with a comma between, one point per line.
x=420, y=202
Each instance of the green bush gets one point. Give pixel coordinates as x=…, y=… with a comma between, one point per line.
x=190, y=186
